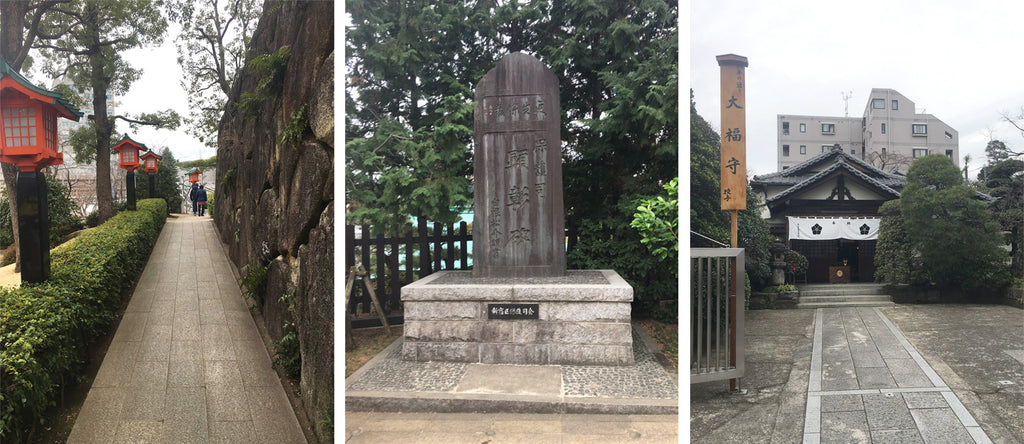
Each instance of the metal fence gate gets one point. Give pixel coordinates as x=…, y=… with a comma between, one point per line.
x=716, y=314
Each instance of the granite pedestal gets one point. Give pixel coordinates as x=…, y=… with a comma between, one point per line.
x=582, y=318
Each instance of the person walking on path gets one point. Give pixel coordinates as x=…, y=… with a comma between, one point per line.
x=201, y=198
x=192, y=194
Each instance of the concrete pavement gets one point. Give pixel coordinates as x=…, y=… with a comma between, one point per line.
x=905, y=373
x=187, y=363
x=494, y=428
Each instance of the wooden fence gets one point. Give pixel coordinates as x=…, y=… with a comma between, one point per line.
x=392, y=262
x=407, y=258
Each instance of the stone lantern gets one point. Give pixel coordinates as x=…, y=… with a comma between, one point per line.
x=778, y=263
x=149, y=160
x=128, y=153
x=29, y=142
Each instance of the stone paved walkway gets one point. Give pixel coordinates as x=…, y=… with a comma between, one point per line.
x=187, y=363
x=869, y=384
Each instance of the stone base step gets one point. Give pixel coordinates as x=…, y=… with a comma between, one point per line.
x=844, y=304
x=841, y=289
x=805, y=299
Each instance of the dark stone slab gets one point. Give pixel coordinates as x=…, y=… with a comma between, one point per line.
x=888, y=411
x=572, y=277
x=517, y=171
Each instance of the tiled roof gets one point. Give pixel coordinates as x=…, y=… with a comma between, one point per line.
x=840, y=164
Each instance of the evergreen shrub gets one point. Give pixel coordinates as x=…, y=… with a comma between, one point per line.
x=45, y=328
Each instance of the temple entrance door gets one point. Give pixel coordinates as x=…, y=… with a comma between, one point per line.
x=848, y=254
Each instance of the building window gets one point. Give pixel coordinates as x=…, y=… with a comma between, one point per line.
x=919, y=129
x=853, y=152
x=949, y=136
x=883, y=151
x=803, y=127
x=920, y=152
x=828, y=128
x=949, y=154
x=877, y=103
x=785, y=128
x=785, y=150
x=895, y=105
x=826, y=148
x=883, y=128
x=785, y=168
x=803, y=149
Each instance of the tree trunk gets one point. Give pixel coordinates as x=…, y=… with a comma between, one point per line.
x=104, y=127
x=12, y=24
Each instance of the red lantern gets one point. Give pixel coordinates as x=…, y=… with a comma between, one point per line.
x=128, y=151
x=29, y=116
x=149, y=160
x=193, y=175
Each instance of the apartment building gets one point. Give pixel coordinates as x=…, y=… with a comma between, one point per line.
x=889, y=136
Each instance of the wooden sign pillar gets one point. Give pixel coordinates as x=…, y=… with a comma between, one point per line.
x=734, y=166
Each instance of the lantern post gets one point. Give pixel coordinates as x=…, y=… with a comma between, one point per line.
x=128, y=153
x=149, y=160
x=29, y=142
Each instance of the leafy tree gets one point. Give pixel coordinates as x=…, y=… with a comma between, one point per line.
x=706, y=216
x=212, y=47
x=61, y=212
x=19, y=32
x=657, y=220
x=166, y=186
x=96, y=32
x=895, y=260
x=1006, y=182
x=996, y=151
x=958, y=242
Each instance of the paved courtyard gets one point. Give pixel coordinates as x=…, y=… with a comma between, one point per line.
x=898, y=374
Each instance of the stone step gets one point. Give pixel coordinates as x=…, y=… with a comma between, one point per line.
x=844, y=304
x=844, y=298
x=841, y=289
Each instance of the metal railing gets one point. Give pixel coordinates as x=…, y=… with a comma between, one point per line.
x=716, y=314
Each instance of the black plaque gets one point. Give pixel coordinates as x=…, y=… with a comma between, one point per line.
x=513, y=311
x=519, y=221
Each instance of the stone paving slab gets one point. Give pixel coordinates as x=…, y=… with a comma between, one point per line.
x=919, y=408
x=186, y=363
x=388, y=383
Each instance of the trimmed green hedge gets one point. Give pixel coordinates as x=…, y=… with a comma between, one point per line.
x=46, y=328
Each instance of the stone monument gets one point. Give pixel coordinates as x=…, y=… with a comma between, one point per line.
x=519, y=305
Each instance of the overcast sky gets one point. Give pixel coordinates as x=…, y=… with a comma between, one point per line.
x=960, y=61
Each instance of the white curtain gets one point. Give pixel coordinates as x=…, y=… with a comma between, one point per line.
x=827, y=228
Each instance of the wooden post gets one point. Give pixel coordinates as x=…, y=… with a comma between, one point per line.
x=733, y=169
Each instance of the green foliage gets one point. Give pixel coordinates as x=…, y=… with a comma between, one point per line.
x=657, y=220
x=752, y=231
x=270, y=69
x=60, y=210
x=209, y=202
x=286, y=351
x=796, y=263
x=208, y=163
x=432, y=182
x=296, y=128
x=166, y=181
x=706, y=216
x=958, y=242
x=45, y=328
x=1006, y=182
x=253, y=279
x=780, y=288
x=895, y=260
